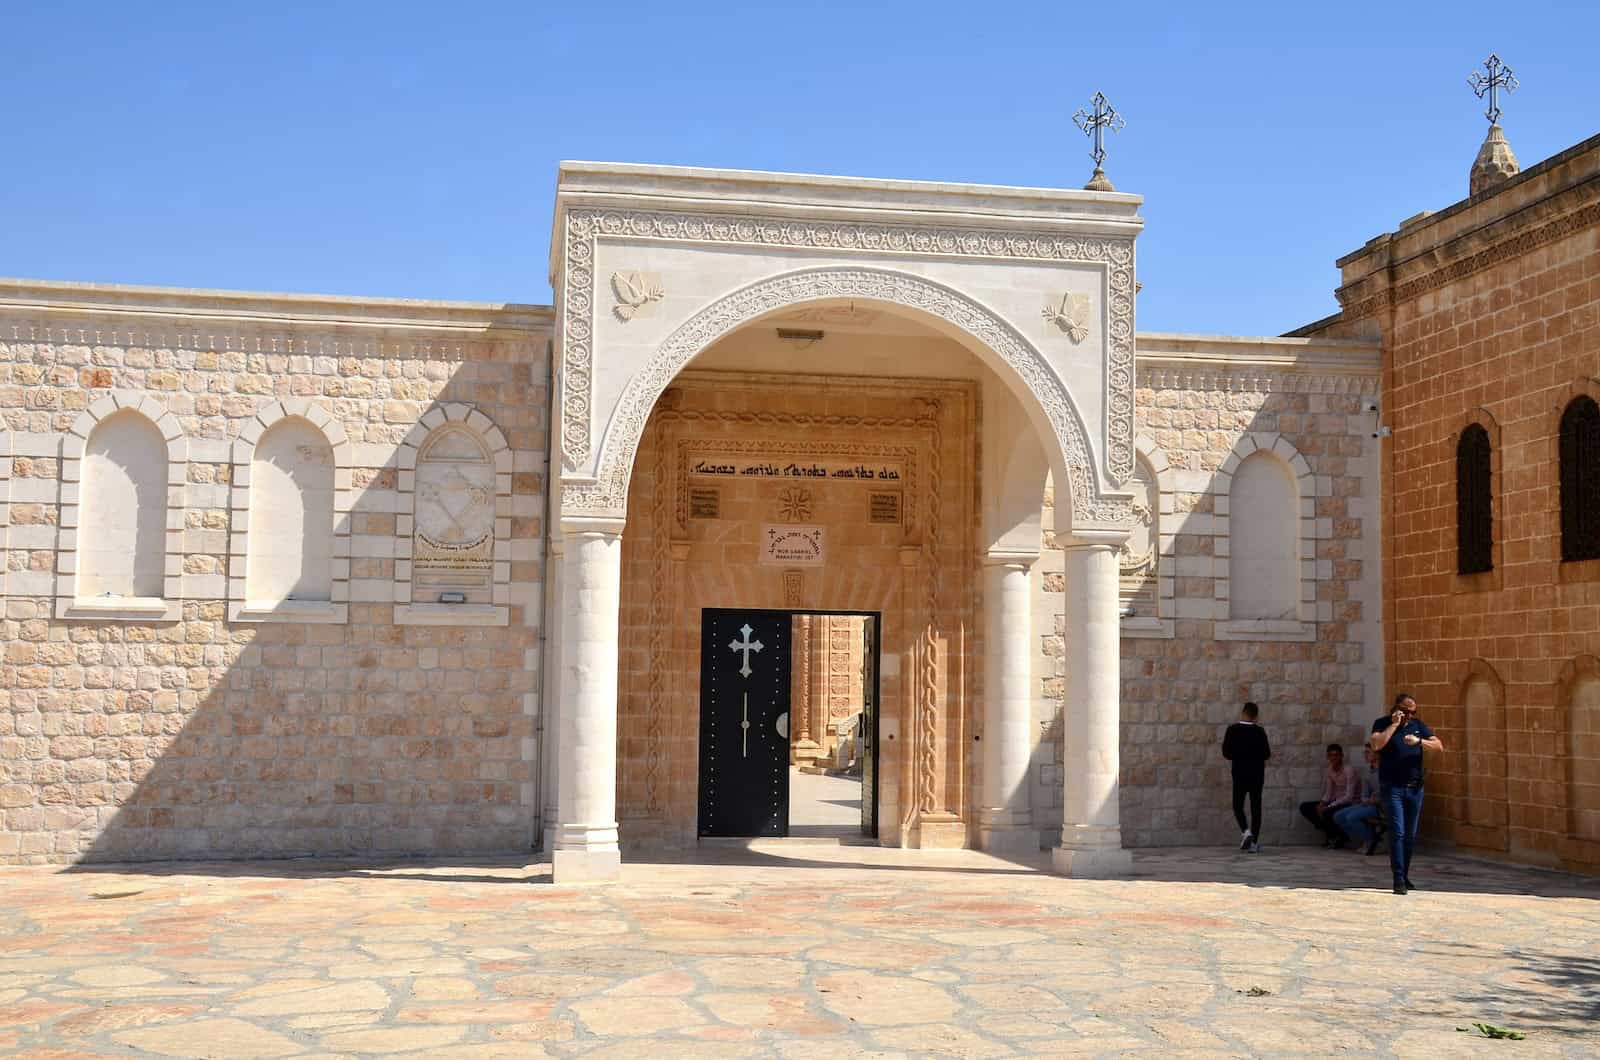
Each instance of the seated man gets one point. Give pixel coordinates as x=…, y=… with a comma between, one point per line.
x=1363, y=820
x=1340, y=788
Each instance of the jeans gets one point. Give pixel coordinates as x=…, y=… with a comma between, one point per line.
x=1352, y=821
x=1252, y=789
x=1401, y=808
x=1322, y=822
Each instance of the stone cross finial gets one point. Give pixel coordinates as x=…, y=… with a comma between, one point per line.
x=1094, y=122
x=1495, y=163
x=1499, y=76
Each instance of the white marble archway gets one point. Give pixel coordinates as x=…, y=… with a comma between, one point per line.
x=692, y=255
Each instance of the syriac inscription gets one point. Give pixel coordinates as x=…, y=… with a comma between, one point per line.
x=839, y=470
x=705, y=502
x=793, y=546
x=883, y=508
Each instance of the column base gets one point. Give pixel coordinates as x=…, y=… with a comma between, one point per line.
x=938, y=831
x=1010, y=842
x=587, y=866
x=1092, y=863
x=1007, y=833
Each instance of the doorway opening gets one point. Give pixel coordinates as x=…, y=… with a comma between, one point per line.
x=789, y=724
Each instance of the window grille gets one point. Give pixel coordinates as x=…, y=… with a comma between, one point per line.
x=1474, y=503
x=1580, y=480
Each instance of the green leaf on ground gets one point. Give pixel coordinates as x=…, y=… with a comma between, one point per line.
x=1489, y=1030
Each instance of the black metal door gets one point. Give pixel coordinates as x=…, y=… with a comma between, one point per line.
x=744, y=723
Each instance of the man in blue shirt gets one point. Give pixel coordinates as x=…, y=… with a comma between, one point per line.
x=1399, y=738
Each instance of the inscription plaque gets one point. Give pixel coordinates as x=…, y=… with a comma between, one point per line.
x=792, y=546
x=883, y=508
x=705, y=502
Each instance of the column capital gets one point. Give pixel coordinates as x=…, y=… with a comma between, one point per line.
x=1085, y=540
x=574, y=526
x=1008, y=558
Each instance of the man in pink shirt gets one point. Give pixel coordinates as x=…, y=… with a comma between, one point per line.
x=1341, y=787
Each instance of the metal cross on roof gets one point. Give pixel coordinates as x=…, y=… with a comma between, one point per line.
x=1500, y=76
x=1094, y=123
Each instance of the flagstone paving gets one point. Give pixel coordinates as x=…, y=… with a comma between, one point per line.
x=795, y=949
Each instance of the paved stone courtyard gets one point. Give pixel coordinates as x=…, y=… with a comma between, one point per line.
x=799, y=949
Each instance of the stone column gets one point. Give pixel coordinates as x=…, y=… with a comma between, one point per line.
x=550, y=695
x=586, y=836
x=1091, y=828
x=1005, y=821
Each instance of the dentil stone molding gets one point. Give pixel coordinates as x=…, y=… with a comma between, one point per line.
x=605, y=496
x=584, y=228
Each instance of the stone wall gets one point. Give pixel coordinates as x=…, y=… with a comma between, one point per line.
x=1489, y=313
x=175, y=727
x=1190, y=657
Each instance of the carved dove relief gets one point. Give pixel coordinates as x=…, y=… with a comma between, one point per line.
x=635, y=290
x=1070, y=314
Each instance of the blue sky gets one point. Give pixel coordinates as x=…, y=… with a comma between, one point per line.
x=410, y=150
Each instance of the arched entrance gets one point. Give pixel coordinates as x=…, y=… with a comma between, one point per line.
x=955, y=558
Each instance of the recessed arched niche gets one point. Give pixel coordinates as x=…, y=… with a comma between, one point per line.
x=124, y=465
x=1264, y=531
x=122, y=522
x=453, y=547
x=290, y=552
x=289, y=546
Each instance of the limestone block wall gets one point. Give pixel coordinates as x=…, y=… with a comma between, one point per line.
x=1489, y=312
x=143, y=716
x=1291, y=624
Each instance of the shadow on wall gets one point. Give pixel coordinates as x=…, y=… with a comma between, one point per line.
x=1258, y=589
x=299, y=734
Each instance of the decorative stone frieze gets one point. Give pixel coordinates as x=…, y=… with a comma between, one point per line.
x=583, y=229
x=606, y=495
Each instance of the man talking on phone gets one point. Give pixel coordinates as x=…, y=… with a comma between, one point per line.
x=1399, y=738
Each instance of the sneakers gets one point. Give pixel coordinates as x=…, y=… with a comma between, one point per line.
x=1245, y=840
x=1399, y=887
x=1255, y=848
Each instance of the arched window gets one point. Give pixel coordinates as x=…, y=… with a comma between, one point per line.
x=122, y=526
x=290, y=543
x=1474, y=502
x=1580, y=480
x=1264, y=532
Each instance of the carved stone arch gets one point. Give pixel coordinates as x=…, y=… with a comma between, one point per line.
x=1160, y=623
x=415, y=605
x=1483, y=758
x=336, y=608
x=1578, y=747
x=605, y=496
x=168, y=608
x=1311, y=530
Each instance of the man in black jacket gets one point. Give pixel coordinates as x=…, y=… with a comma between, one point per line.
x=1245, y=745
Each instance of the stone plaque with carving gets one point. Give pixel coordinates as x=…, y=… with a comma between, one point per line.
x=453, y=543
x=792, y=546
x=883, y=508
x=705, y=502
